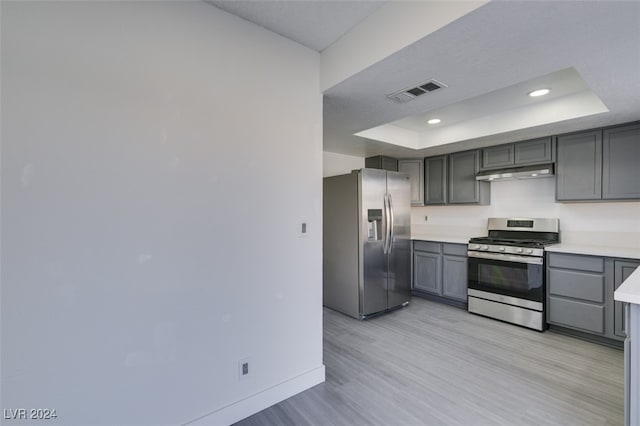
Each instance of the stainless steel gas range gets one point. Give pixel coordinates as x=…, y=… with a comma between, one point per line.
x=507, y=270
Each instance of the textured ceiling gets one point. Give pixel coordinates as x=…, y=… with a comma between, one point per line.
x=500, y=111
x=498, y=45
x=315, y=24
x=495, y=46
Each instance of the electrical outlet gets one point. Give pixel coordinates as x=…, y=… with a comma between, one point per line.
x=243, y=368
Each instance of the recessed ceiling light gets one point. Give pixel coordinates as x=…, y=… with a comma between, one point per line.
x=540, y=92
x=434, y=121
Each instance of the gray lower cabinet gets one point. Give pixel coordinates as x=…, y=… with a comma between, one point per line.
x=427, y=272
x=435, y=180
x=632, y=366
x=454, y=277
x=415, y=169
x=576, y=288
x=579, y=166
x=621, y=163
x=621, y=271
x=463, y=188
x=580, y=293
x=440, y=269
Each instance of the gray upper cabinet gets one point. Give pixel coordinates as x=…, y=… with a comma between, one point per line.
x=579, y=166
x=435, y=183
x=451, y=179
x=415, y=169
x=532, y=152
x=599, y=165
x=497, y=156
x=381, y=162
x=621, y=163
x=523, y=153
x=621, y=271
x=463, y=186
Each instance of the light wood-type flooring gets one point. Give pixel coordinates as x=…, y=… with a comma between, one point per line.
x=432, y=364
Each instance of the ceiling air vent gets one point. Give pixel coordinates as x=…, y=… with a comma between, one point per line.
x=410, y=93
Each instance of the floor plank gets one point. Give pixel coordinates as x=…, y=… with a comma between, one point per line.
x=433, y=364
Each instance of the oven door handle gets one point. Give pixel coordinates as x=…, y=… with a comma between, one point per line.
x=505, y=257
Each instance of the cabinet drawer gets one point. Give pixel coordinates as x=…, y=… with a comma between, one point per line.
x=579, y=285
x=426, y=246
x=571, y=261
x=571, y=313
x=455, y=249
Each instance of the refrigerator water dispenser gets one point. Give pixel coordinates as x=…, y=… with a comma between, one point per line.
x=374, y=216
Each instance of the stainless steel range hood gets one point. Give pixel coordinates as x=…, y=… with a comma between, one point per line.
x=522, y=172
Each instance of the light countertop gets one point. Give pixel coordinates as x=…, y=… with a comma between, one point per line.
x=591, y=250
x=440, y=238
x=629, y=290
x=608, y=251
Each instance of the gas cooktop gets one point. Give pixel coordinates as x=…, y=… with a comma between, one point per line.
x=534, y=243
x=516, y=236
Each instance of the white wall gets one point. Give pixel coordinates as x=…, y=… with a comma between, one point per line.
x=154, y=175
x=606, y=224
x=338, y=164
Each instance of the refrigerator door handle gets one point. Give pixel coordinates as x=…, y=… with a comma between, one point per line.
x=391, y=224
x=385, y=222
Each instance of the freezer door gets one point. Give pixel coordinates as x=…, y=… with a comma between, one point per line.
x=373, y=238
x=399, y=255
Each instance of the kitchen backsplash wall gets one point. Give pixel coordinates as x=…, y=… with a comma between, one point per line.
x=602, y=224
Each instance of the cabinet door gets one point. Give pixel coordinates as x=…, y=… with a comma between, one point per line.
x=389, y=163
x=463, y=186
x=621, y=163
x=622, y=270
x=435, y=180
x=427, y=275
x=579, y=167
x=497, y=156
x=381, y=162
x=415, y=170
x=533, y=152
x=454, y=277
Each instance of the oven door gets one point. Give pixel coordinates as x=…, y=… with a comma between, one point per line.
x=510, y=275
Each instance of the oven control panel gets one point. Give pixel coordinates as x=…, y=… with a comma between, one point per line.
x=538, y=252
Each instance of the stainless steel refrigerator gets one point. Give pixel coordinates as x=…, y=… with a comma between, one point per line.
x=366, y=242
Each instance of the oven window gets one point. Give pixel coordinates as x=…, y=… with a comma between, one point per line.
x=520, y=280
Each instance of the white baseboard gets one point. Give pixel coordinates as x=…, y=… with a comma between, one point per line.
x=246, y=407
